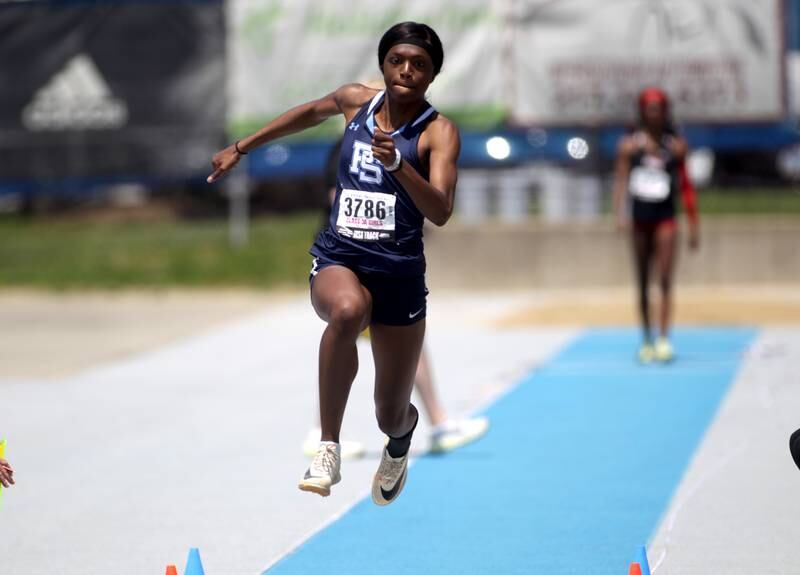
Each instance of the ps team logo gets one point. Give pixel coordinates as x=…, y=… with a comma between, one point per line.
x=363, y=164
x=76, y=98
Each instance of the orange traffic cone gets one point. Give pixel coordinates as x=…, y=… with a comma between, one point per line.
x=635, y=569
x=172, y=570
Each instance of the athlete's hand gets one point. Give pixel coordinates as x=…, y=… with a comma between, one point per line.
x=6, y=474
x=623, y=225
x=223, y=162
x=383, y=147
x=694, y=238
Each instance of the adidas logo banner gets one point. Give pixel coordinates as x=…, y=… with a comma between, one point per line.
x=97, y=91
x=77, y=97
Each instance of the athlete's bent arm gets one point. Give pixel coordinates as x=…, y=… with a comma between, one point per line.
x=433, y=198
x=680, y=148
x=345, y=100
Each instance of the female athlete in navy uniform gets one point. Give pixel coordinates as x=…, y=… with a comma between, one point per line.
x=651, y=168
x=397, y=167
x=447, y=433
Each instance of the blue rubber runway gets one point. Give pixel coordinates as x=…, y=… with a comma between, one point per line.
x=581, y=461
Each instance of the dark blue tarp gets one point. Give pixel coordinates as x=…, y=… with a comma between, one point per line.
x=103, y=91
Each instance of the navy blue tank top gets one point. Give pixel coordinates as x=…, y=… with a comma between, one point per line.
x=374, y=225
x=653, y=181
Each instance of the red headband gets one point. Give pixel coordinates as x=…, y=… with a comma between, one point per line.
x=653, y=95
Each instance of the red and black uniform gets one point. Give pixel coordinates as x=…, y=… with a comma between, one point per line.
x=655, y=181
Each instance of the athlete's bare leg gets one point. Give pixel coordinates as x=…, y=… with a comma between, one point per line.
x=423, y=383
x=643, y=255
x=396, y=351
x=665, y=264
x=340, y=300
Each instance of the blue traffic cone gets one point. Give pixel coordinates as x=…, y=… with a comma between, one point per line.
x=195, y=567
x=641, y=559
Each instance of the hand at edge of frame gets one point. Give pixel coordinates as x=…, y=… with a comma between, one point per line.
x=6, y=474
x=694, y=239
x=223, y=162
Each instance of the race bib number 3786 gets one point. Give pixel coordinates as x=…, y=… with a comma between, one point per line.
x=366, y=216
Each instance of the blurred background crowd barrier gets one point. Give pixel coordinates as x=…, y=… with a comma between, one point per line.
x=118, y=106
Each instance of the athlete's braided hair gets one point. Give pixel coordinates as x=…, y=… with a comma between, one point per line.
x=415, y=33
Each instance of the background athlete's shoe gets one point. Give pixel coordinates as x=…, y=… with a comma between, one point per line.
x=349, y=449
x=794, y=447
x=390, y=478
x=664, y=350
x=453, y=434
x=647, y=353
x=324, y=470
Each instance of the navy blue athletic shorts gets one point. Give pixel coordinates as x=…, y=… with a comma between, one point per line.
x=396, y=300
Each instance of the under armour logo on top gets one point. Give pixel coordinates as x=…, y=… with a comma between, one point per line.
x=353, y=126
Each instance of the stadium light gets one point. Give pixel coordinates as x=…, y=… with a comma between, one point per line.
x=277, y=154
x=498, y=148
x=578, y=148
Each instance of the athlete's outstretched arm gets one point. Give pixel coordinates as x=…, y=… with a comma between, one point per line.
x=433, y=198
x=690, y=205
x=680, y=148
x=346, y=100
x=622, y=170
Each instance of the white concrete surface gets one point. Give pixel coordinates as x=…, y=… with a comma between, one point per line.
x=125, y=466
x=737, y=510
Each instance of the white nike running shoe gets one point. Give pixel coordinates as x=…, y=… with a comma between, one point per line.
x=647, y=353
x=453, y=434
x=663, y=350
x=323, y=472
x=390, y=478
